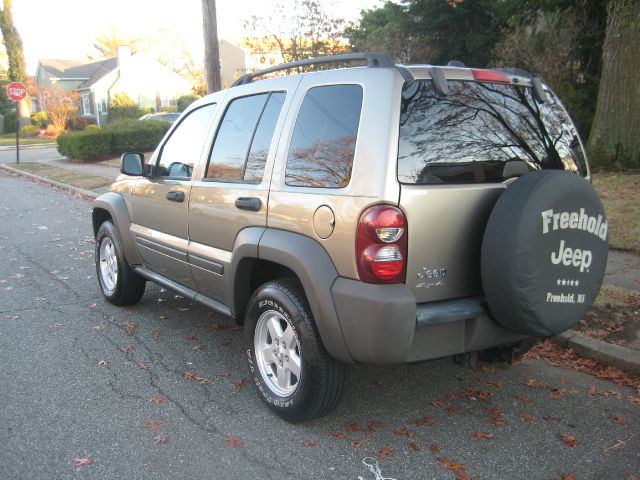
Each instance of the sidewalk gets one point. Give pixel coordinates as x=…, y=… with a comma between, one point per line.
x=623, y=271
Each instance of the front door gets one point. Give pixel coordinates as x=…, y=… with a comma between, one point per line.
x=160, y=202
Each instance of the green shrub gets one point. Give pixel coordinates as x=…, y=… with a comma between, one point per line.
x=92, y=127
x=185, y=101
x=10, y=122
x=134, y=135
x=122, y=106
x=40, y=120
x=28, y=131
x=86, y=145
x=169, y=108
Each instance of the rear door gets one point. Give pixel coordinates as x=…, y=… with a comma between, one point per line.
x=234, y=191
x=457, y=153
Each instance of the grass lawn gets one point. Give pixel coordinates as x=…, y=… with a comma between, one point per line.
x=620, y=194
x=62, y=175
x=9, y=140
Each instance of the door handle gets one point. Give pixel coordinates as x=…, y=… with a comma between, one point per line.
x=252, y=204
x=175, y=196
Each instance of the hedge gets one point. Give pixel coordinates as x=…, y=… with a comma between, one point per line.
x=86, y=145
x=117, y=138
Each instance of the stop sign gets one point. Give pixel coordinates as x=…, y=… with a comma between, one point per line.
x=16, y=91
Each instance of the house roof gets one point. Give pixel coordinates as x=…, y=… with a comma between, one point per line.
x=78, y=70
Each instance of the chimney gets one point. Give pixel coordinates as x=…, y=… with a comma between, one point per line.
x=124, y=57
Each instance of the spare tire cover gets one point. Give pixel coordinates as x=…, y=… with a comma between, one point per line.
x=544, y=252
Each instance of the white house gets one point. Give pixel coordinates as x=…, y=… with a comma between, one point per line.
x=140, y=76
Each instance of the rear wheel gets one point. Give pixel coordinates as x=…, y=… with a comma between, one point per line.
x=294, y=374
x=120, y=285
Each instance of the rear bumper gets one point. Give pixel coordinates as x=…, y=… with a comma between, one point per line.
x=382, y=324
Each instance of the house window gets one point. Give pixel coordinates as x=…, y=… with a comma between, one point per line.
x=86, y=105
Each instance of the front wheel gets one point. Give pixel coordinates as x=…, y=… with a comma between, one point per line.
x=119, y=283
x=289, y=365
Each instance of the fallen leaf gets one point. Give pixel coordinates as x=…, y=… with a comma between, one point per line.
x=526, y=417
x=104, y=363
x=153, y=424
x=223, y=375
x=99, y=327
x=496, y=411
x=569, y=440
x=353, y=427
x=156, y=333
x=130, y=328
x=374, y=424
x=232, y=441
x=437, y=403
x=241, y=382
x=480, y=435
x=142, y=365
x=400, y=431
x=309, y=443
x=55, y=325
x=414, y=446
x=339, y=436
x=523, y=398
x=568, y=476
x=198, y=348
x=196, y=378
x=497, y=421
x=158, y=400
x=226, y=343
x=549, y=418
x=160, y=439
x=385, y=453
x=357, y=443
x=451, y=410
x=79, y=462
x=618, y=419
x=434, y=448
x=127, y=348
x=424, y=420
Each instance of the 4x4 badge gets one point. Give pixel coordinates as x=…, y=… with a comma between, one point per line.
x=431, y=277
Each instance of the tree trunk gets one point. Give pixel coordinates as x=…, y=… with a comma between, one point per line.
x=211, y=48
x=615, y=135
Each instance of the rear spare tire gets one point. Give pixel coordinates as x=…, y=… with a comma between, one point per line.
x=544, y=253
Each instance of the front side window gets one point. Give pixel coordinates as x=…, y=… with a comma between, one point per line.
x=482, y=132
x=242, y=143
x=324, y=137
x=184, y=147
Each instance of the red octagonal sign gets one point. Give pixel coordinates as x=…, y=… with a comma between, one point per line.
x=16, y=91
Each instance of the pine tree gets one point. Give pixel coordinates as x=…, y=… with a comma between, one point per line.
x=13, y=43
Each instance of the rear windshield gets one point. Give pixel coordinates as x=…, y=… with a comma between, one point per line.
x=482, y=132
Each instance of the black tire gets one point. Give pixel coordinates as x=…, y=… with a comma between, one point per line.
x=126, y=288
x=317, y=390
x=544, y=253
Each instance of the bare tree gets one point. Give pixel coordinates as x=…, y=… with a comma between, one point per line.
x=211, y=48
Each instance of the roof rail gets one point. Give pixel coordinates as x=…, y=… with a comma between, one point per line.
x=373, y=59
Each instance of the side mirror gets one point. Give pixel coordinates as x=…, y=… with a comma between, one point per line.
x=131, y=163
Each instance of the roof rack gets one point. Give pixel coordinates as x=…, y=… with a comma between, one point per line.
x=373, y=59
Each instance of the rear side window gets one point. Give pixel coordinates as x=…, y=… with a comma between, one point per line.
x=242, y=142
x=324, y=137
x=482, y=132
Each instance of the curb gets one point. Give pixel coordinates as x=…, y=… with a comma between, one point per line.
x=64, y=186
x=606, y=353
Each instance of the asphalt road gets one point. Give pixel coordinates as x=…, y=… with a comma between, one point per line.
x=80, y=378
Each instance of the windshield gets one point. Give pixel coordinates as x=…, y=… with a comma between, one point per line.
x=482, y=132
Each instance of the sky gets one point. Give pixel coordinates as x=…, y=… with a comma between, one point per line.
x=65, y=29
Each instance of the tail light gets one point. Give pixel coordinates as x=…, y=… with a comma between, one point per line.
x=381, y=245
x=489, y=76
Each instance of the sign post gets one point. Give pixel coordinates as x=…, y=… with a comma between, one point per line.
x=16, y=91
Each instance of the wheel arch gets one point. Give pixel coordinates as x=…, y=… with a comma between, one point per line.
x=112, y=206
x=263, y=254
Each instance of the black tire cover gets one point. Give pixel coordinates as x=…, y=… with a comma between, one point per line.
x=544, y=252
